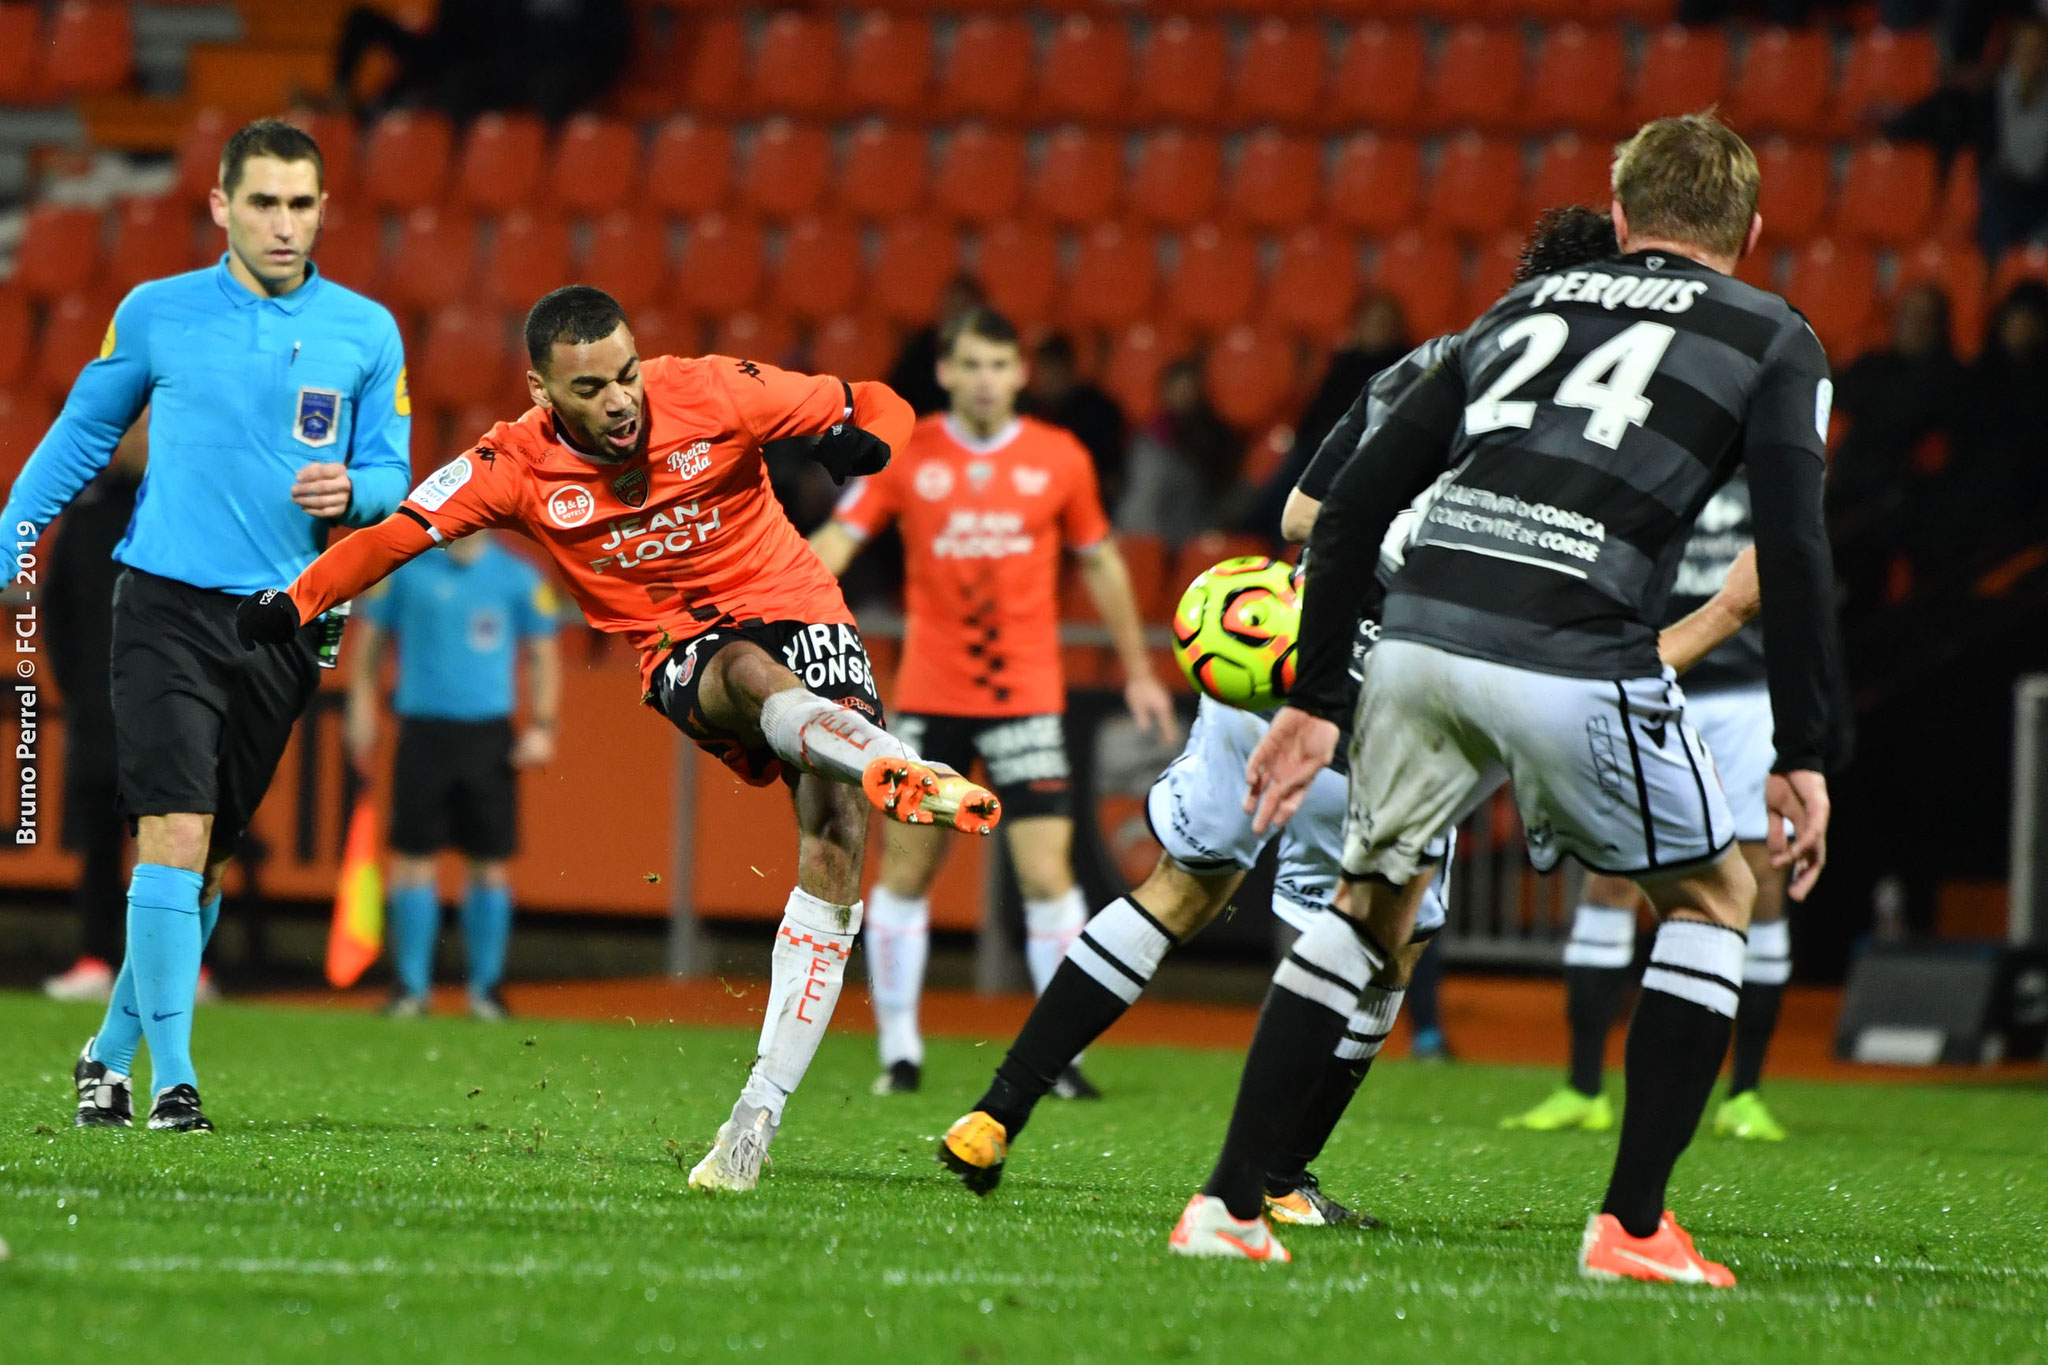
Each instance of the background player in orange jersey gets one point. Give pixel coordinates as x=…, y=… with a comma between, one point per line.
x=643, y=481
x=986, y=500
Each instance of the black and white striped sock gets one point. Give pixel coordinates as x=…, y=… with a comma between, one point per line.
x=1365, y=1033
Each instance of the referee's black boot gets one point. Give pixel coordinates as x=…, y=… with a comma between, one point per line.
x=104, y=1097
x=177, y=1111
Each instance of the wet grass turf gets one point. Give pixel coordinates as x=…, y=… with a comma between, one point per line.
x=445, y=1190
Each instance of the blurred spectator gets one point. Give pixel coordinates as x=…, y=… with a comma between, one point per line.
x=2004, y=116
x=1899, y=406
x=551, y=56
x=1962, y=26
x=915, y=375
x=78, y=621
x=1184, y=463
x=1059, y=394
x=1996, y=484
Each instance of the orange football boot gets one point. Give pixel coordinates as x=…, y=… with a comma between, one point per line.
x=1666, y=1256
x=974, y=1149
x=919, y=793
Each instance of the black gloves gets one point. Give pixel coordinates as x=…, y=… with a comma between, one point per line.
x=269, y=617
x=846, y=452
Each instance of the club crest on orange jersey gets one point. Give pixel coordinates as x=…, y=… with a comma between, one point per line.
x=932, y=480
x=631, y=487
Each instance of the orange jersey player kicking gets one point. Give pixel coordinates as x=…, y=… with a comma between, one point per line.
x=986, y=502
x=643, y=481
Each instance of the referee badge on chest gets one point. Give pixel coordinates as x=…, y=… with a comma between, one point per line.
x=631, y=487
x=318, y=419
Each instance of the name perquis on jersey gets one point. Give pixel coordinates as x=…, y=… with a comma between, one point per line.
x=675, y=531
x=1653, y=295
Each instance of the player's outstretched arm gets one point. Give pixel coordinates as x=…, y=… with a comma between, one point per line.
x=345, y=570
x=1686, y=641
x=1298, y=517
x=109, y=395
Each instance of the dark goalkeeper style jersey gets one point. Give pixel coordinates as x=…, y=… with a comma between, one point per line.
x=1589, y=417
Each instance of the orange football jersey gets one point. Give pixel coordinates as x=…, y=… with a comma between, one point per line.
x=664, y=548
x=983, y=524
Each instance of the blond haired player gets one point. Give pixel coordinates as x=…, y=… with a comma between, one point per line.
x=643, y=482
x=986, y=500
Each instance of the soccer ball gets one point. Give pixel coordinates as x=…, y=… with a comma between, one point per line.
x=1235, y=628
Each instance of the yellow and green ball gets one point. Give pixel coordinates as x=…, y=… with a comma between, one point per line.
x=1235, y=628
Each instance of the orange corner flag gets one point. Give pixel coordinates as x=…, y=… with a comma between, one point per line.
x=357, y=936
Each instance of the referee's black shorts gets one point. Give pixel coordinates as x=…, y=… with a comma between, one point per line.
x=453, y=787
x=199, y=722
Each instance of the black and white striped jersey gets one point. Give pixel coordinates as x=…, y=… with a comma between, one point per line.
x=1722, y=532
x=1585, y=422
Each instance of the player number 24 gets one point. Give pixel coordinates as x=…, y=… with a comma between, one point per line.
x=1608, y=383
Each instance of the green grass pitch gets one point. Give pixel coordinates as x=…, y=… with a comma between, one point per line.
x=447, y=1191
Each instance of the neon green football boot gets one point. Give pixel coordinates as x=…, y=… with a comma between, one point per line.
x=1744, y=1116
x=1566, y=1108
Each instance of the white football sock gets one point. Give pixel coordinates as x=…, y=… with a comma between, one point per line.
x=809, y=963
x=1366, y=1031
x=1602, y=936
x=819, y=736
x=1050, y=928
x=1768, y=962
x=898, y=937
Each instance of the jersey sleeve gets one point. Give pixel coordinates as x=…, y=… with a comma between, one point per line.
x=1082, y=520
x=868, y=505
x=380, y=454
x=472, y=492
x=109, y=394
x=776, y=403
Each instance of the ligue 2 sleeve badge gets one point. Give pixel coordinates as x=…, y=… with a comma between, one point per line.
x=318, y=420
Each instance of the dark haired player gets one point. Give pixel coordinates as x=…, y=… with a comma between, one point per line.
x=986, y=500
x=643, y=482
x=277, y=409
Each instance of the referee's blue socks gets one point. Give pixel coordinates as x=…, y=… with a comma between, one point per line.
x=121, y=1031
x=415, y=923
x=164, y=943
x=486, y=934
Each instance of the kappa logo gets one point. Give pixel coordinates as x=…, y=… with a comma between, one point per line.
x=752, y=371
x=932, y=481
x=1030, y=482
x=569, y=508
x=318, y=420
x=689, y=463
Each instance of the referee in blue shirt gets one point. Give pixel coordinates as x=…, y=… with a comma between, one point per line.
x=278, y=409
x=458, y=621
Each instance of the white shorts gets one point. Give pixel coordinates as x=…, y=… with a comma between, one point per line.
x=1736, y=725
x=1608, y=772
x=1196, y=810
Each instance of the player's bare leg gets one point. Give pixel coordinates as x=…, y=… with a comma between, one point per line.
x=1042, y=852
x=1766, y=967
x=820, y=925
x=1675, y=1046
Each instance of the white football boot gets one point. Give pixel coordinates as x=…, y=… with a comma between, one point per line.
x=734, y=1161
x=1207, y=1229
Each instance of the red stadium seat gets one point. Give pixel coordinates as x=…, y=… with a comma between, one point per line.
x=663, y=331
x=1578, y=79
x=853, y=348
x=406, y=162
x=919, y=257
x=2021, y=263
x=1114, y=278
x=1078, y=177
x=1178, y=179
x=1889, y=195
x=981, y=175
x=60, y=251
x=796, y=66
x=821, y=271
x=596, y=166
x=1493, y=274
x=1086, y=73
x=628, y=259
x=988, y=72
x=199, y=149
x=1570, y=170
x=17, y=335
x=884, y=175
x=1140, y=352
x=463, y=359
x=1478, y=186
x=1375, y=184
x=1421, y=271
x=721, y=270
x=152, y=238
x=528, y=256
x=755, y=336
x=1315, y=284
x=1279, y=75
x=1797, y=190
x=1479, y=79
x=1956, y=219
x=1019, y=267
x=1885, y=72
x=340, y=147
x=351, y=247
x=91, y=49
x=1183, y=71
x=689, y=168
x=1683, y=70
x=1379, y=80
x=1215, y=283
x=889, y=70
x=1835, y=285
x=1786, y=80
x=431, y=262
x=788, y=170
x=713, y=76
x=1278, y=182
x=1251, y=376
x=502, y=160
x=21, y=49
x=72, y=334
x=1959, y=274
